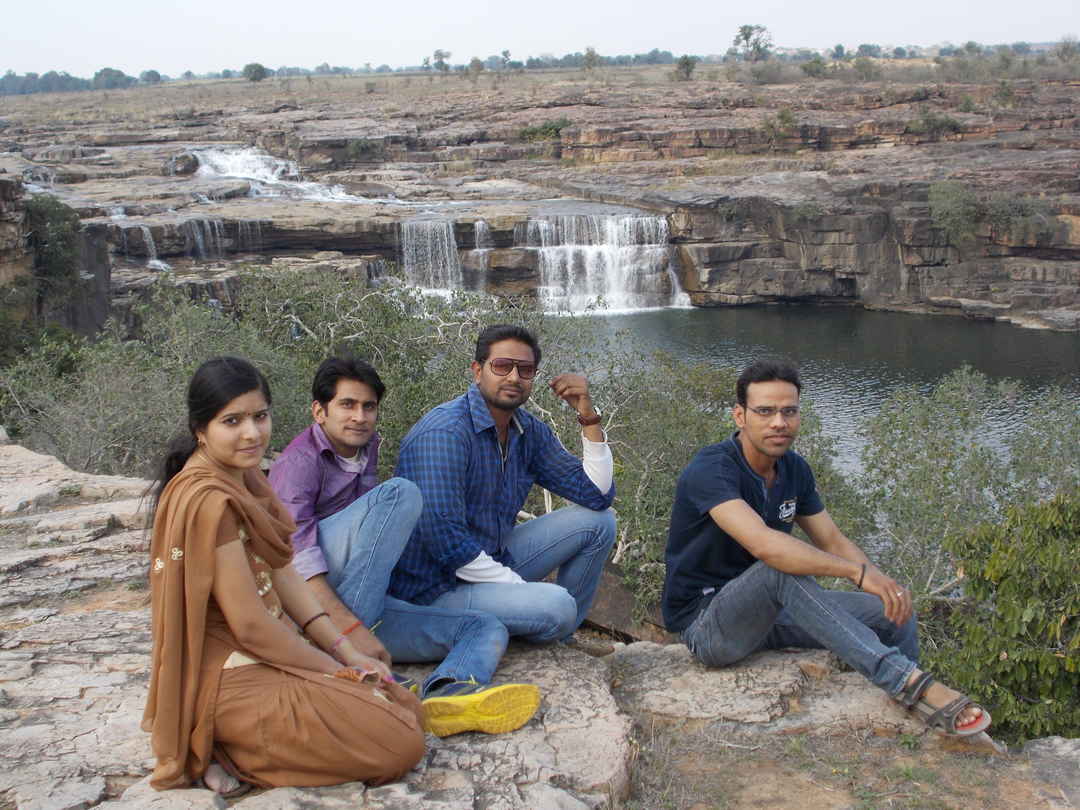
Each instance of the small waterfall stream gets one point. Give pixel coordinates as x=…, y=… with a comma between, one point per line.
x=429, y=254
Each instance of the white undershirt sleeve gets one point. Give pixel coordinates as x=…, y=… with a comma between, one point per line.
x=486, y=569
x=597, y=461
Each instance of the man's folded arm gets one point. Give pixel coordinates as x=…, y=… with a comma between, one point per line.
x=778, y=549
x=296, y=481
x=580, y=481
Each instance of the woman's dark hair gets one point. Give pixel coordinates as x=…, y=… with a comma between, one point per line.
x=344, y=367
x=215, y=384
x=505, y=331
x=766, y=371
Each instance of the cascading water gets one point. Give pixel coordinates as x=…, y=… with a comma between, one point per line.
x=268, y=176
x=429, y=254
x=249, y=235
x=204, y=238
x=623, y=260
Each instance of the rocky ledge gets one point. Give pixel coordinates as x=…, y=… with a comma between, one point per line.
x=814, y=192
x=75, y=644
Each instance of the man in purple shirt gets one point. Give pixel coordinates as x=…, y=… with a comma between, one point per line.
x=350, y=532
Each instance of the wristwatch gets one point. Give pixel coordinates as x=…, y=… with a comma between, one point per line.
x=585, y=421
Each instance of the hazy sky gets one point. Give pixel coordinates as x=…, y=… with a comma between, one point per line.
x=208, y=35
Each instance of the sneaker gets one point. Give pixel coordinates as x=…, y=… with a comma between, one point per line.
x=469, y=706
x=405, y=681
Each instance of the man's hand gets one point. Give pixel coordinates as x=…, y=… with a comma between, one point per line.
x=895, y=597
x=365, y=642
x=573, y=389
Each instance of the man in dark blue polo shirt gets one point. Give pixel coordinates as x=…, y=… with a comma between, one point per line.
x=738, y=582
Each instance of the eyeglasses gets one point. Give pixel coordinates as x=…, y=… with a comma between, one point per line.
x=502, y=366
x=769, y=411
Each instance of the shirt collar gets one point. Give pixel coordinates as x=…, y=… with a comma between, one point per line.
x=481, y=415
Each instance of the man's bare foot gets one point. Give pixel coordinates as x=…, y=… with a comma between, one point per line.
x=937, y=695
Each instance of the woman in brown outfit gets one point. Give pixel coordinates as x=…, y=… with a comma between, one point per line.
x=236, y=690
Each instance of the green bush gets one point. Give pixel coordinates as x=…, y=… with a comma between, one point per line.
x=1018, y=641
x=955, y=209
x=933, y=124
x=54, y=238
x=547, y=131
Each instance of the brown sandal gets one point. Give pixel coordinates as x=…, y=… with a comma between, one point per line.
x=944, y=717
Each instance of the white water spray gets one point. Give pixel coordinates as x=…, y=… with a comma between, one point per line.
x=268, y=176
x=429, y=254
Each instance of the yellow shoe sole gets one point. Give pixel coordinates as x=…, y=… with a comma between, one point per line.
x=493, y=711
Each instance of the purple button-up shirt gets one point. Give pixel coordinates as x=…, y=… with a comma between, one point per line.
x=314, y=482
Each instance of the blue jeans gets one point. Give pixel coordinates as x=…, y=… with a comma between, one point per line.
x=361, y=545
x=576, y=541
x=764, y=608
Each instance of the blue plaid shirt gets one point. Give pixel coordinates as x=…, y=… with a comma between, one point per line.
x=471, y=497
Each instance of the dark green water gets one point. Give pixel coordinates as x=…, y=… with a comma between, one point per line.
x=852, y=358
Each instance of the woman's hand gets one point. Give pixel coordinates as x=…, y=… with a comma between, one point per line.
x=352, y=657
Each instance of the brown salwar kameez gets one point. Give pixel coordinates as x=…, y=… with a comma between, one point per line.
x=272, y=725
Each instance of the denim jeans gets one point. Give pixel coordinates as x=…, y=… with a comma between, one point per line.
x=361, y=545
x=574, y=540
x=764, y=608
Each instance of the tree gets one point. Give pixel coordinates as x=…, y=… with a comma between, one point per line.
x=591, y=59
x=684, y=68
x=150, y=77
x=839, y=53
x=426, y=63
x=476, y=67
x=814, y=68
x=755, y=42
x=865, y=68
x=899, y=53
x=187, y=75
x=439, y=60
x=869, y=49
x=504, y=56
x=254, y=72
x=227, y=74
x=1067, y=50
x=110, y=79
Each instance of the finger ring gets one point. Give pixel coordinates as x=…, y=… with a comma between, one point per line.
x=899, y=593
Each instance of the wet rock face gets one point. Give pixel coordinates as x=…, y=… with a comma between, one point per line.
x=15, y=260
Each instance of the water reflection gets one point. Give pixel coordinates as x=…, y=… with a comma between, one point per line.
x=852, y=358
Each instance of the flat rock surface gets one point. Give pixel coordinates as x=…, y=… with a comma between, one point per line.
x=74, y=652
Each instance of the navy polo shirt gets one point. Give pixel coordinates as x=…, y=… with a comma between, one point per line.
x=701, y=558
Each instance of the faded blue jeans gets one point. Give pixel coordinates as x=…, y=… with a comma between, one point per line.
x=576, y=541
x=361, y=545
x=764, y=608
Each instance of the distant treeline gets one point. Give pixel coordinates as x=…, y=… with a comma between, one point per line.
x=12, y=84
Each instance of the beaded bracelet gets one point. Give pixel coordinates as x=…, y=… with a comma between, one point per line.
x=352, y=627
x=304, y=626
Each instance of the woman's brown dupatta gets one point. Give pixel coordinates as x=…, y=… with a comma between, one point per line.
x=199, y=508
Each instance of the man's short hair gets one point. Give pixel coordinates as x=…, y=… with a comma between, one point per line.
x=344, y=367
x=766, y=371
x=505, y=331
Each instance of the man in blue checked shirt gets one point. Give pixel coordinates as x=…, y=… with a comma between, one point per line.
x=475, y=459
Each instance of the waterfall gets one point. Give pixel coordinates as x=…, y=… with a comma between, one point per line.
x=148, y=243
x=204, y=238
x=268, y=176
x=249, y=235
x=624, y=260
x=482, y=236
x=429, y=254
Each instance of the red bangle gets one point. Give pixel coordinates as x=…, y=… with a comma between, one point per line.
x=352, y=627
x=335, y=645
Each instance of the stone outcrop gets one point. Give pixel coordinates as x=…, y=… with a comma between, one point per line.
x=15, y=259
x=75, y=645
